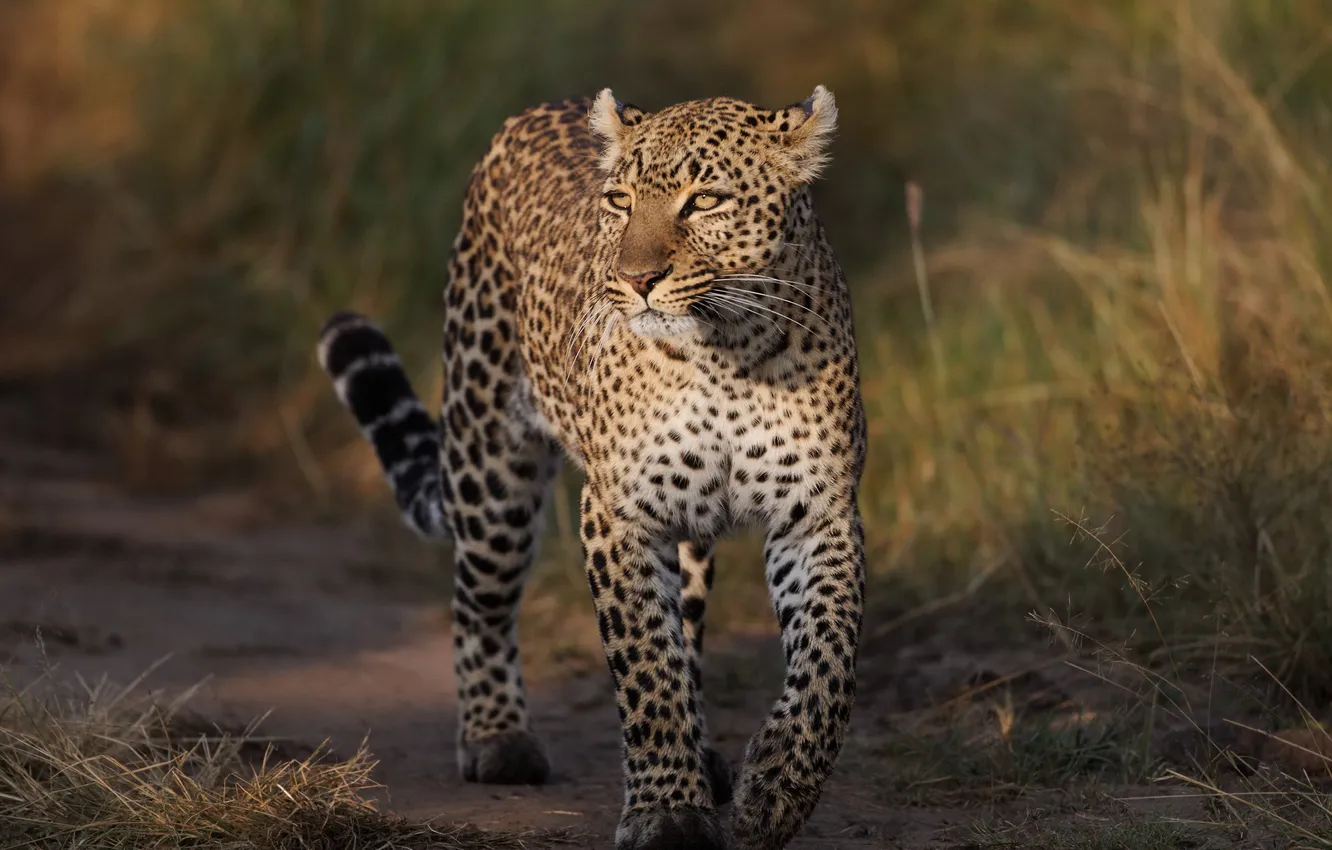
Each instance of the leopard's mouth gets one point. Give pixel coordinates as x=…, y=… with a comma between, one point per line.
x=677, y=297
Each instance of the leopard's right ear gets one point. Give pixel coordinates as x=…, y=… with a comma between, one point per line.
x=805, y=129
x=612, y=122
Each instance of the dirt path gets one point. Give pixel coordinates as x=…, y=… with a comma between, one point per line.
x=324, y=630
x=279, y=621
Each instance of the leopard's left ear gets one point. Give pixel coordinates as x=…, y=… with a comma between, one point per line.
x=612, y=122
x=807, y=129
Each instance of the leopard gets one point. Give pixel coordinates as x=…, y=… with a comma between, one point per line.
x=651, y=296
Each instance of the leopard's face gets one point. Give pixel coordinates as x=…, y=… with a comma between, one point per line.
x=695, y=202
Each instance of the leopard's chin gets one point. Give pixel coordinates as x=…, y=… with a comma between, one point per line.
x=651, y=324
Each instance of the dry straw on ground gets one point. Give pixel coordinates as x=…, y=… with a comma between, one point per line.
x=110, y=768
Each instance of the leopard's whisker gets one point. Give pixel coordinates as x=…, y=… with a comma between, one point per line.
x=752, y=305
x=577, y=329
x=737, y=307
x=596, y=315
x=703, y=302
x=585, y=318
x=801, y=249
x=795, y=304
x=769, y=279
x=605, y=335
x=715, y=308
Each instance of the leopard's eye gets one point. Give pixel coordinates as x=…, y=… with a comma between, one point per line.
x=619, y=200
x=702, y=202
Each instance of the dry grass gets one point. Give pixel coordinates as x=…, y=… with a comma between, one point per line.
x=1107, y=832
x=1153, y=355
x=1269, y=784
x=975, y=764
x=109, y=767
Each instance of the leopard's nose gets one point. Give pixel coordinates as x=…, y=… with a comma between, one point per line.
x=644, y=282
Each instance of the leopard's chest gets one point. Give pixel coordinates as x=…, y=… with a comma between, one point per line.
x=707, y=457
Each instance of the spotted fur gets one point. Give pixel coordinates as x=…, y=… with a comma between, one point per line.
x=651, y=295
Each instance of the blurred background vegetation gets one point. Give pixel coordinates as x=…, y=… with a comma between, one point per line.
x=1124, y=395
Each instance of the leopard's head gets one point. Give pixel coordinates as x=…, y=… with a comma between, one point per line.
x=700, y=191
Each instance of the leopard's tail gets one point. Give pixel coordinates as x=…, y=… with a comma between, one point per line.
x=371, y=383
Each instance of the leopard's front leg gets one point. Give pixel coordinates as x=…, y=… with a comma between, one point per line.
x=694, y=577
x=668, y=801
x=815, y=567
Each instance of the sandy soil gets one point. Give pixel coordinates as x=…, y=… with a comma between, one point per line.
x=296, y=621
x=283, y=621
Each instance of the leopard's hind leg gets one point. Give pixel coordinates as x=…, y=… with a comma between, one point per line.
x=479, y=476
x=499, y=470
